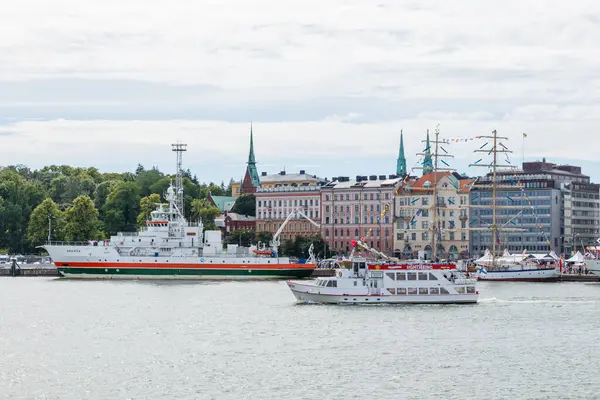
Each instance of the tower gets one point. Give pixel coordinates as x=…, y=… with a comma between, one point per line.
x=427, y=161
x=251, y=180
x=179, y=148
x=401, y=164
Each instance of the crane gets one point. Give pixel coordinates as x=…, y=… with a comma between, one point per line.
x=275, y=243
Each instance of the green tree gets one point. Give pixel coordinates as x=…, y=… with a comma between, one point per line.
x=37, y=231
x=147, y=205
x=20, y=197
x=145, y=180
x=245, y=205
x=82, y=220
x=241, y=237
x=102, y=192
x=204, y=210
x=122, y=208
x=264, y=238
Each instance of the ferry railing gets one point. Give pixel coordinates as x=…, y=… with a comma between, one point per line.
x=63, y=243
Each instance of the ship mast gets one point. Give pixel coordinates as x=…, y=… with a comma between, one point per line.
x=179, y=148
x=495, y=229
x=436, y=170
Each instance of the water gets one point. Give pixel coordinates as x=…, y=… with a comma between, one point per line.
x=249, y=340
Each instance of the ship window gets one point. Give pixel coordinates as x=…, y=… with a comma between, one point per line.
x=412, y=276
x=391, y=275
x=444, y=291
x=355, y=283
x=423, y=276
x=434, y=290
x=401, y=291
x=471, y=290
x=400, y=276
x=332, y=284
x=392, y=291
x=412, y=291
x=432, y=277
x=460, y=290
x=423, y=290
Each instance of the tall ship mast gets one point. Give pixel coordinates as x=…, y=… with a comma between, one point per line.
x=170, y=247
x=506, y=267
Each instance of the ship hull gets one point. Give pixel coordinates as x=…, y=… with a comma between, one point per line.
x=530, y=275
x=306, y=294
x=183, y=271
x=593, y=266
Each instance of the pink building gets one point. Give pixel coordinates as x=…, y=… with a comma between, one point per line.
x=355, y=210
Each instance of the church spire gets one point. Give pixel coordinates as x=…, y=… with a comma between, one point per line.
x=251, y=181
x=401, y=164
x=427, y=162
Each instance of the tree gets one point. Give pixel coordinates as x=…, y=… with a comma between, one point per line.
x=102, y=192
x=264, y=238
x=241, y=237
x=82, y=220
x=245, y=205
x=122, y=208
x=145, y=180
x=204, y=210
x=37, y=231
x=147, y=205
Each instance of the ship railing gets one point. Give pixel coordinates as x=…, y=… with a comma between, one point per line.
x=63, y=243
x=128, y=234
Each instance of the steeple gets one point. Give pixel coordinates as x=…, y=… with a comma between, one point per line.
x=251, y=157
x=427, y=162
x=401, y=164
x=251, y=181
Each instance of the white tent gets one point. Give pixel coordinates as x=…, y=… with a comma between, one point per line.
x=578, y=257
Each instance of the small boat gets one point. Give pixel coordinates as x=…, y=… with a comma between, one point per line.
x=368, y=282
x=515, y=268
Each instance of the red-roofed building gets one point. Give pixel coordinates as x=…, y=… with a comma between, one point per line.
x=414, y=224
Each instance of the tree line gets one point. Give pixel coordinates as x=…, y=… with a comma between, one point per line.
x=81, y=204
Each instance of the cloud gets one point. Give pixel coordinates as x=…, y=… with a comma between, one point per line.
x=113, y=83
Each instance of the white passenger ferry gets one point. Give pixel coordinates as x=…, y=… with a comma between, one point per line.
x=391, y=283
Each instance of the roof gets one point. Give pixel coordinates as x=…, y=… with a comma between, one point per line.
x=240, y=217
x=462, y=185
x=275, y=178
x=366, y=184
x=223, y=203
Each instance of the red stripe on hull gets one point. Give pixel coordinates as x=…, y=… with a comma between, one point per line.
x=183, y=266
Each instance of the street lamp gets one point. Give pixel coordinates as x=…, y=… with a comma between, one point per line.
x=49, y=227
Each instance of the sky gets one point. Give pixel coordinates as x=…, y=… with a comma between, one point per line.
x=328, y=85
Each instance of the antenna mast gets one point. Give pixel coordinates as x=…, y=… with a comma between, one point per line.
x=179, y=148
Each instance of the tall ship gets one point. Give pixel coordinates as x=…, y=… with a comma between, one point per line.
x=507, y=267
x=170, y=247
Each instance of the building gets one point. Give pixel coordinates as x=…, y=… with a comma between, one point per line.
x=356, y=210
x=223, y=203
x=234, y=222
x=251, y=180
x=553, y=210
x=274, y=205
x=414, y=216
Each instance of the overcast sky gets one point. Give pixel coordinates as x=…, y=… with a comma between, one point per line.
x=328, y=84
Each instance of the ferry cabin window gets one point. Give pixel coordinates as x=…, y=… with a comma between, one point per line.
x=332, y=284
x=444, y=291
x=412, y=276
x=422, y=276
x=423, y=290
x=391, y=290
x=412, y=291
x=401, y=291
x=460, y=290
x=471, y=290
x=391, y=275
x=432, y=277
x=400, y=276
x=434, y=290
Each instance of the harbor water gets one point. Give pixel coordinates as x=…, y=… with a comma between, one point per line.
x=249, y=340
